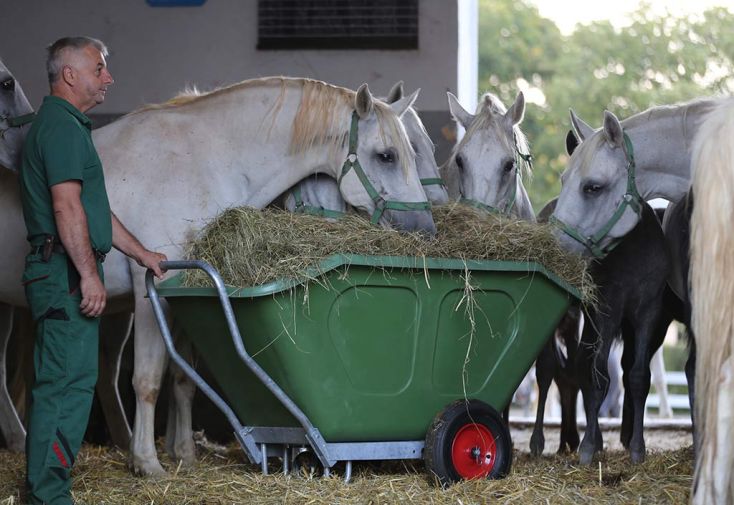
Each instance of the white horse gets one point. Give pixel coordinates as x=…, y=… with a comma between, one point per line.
x=595, y=183
x=712, y=264
x=14, y=111
x=319, y=194
x=486, y=167
x=171, y=168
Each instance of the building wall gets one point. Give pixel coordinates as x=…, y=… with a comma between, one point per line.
x=157, y=51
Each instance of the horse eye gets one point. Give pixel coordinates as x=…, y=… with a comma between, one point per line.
x=509, y=165
x=459, y=162
x=592, y=188
x=386, y=157
x=8, y=84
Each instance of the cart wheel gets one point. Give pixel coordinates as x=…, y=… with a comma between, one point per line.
x=468, y=440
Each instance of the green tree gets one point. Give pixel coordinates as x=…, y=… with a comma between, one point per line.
x=657, y=59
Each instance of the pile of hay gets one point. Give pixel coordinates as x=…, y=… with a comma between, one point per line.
x=251, y=247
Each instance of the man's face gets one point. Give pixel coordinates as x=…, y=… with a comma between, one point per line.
x=92, y=77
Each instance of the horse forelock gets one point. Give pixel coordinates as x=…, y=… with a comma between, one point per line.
x=490, y=116
x=583, y=157
x=389, y=122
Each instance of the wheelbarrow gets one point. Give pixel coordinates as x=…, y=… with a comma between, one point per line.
x=376, y=358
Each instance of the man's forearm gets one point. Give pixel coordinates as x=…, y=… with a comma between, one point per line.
x=124, y=241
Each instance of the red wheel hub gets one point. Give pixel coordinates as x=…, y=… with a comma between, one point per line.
x=473, y=451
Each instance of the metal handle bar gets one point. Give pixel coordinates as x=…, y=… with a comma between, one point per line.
x=312, y=434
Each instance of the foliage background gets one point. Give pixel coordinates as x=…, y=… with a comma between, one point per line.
x=656, y=59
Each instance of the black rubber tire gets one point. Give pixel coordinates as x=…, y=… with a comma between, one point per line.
x=440, y=437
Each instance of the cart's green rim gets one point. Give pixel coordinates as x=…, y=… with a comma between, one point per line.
x=173, y=287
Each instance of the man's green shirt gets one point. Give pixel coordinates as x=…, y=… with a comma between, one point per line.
x=59, y=148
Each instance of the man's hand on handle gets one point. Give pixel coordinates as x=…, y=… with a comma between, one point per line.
x=152, y=259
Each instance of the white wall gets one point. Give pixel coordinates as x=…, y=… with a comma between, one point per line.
x=156, y=51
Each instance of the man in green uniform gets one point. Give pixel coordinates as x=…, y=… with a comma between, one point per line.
x=70, y=229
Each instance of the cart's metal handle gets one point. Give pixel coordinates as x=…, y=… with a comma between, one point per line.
x=312, y=434
x=247, y=443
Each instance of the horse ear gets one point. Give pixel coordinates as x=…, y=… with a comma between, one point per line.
x=395, y=93
x=516, y=113
x=613, y=129
x=404, y=103
x=571, y=142
x=458, y=112
x=582, y=129
x=363, y=101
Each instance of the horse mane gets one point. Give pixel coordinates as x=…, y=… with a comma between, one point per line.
x=712, y=296
x=323, y=116
x=698, y=105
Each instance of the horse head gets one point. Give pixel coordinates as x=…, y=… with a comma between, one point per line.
x=316, y=195
x=489, y=160
x=379, y=176
x=599, y=203
x=15, y=113
x=424, y=148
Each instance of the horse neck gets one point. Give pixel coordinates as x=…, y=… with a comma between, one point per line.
x=271, y=168
x=662, y=149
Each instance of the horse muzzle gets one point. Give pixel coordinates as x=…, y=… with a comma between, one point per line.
x=411, y=221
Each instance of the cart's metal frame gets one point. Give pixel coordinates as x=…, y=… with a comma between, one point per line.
x=258, y=442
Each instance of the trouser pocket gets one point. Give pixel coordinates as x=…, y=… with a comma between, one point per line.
x=46, y=286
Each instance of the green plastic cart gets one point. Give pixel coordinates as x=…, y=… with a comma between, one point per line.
x=377, y=358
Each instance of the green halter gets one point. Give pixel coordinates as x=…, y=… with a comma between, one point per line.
x=303, y=208
x=512, y=196
x=432, y=181
x=381, y=205
x=631, y=199
x=15, y=121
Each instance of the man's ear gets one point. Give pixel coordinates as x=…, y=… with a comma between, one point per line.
x=68, y=74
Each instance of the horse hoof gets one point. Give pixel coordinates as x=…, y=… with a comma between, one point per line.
x=637, y=457
x=536, y=447
x=186, y=453
x=147, y=469
x=586, y=457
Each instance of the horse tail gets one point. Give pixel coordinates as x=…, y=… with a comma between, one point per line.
x=712, y=293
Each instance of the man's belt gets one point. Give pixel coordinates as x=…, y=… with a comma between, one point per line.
x=51, y=246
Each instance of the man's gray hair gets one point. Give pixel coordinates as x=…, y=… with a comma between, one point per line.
x=54, y=60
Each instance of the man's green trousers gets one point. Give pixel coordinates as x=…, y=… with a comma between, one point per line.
x=65, y=364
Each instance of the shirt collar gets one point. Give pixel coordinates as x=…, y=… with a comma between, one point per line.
x=81, y=117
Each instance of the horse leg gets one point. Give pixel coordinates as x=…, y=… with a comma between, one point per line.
x=569, y=391
x=10, y=424
x=657, y=368
x=544, y=368
x=610, y=405
x=594, y=382
x=114, y=332
x=150, y=362
x=568, y=384
x=639, y=383
x=179, y=437
x=628, y=356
